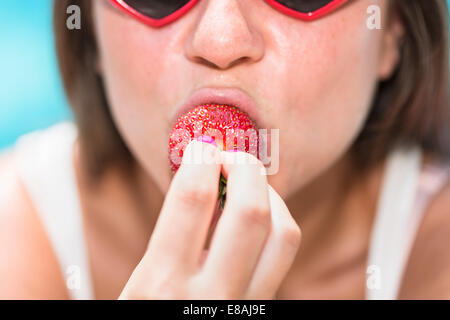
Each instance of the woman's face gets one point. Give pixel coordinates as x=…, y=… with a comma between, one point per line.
x=314, y=81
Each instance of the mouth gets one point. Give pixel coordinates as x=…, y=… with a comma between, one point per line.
x=222, y=96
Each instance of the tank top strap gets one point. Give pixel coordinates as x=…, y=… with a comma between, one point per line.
x=45, y=165
x=407, y=188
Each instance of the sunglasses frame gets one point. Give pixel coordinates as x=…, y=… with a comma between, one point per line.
x=157, y=23
x=310, y=16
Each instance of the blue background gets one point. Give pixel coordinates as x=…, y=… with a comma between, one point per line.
x=31, y=96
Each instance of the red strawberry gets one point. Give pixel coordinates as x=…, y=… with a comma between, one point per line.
x=230, y=128
x=227, y=126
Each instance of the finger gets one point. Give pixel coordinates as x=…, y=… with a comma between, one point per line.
x=182, y=227
x=243, y=227
x=278, y=254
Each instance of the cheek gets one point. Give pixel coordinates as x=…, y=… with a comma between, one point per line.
x=132, y=57
x=330, y=86
x=342, y=75
x=130, y=64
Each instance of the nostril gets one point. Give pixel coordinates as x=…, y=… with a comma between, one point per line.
x=216, y=66
x=238, y=61
x=206, y=62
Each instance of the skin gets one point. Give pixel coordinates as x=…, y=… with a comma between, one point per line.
x=255, y=249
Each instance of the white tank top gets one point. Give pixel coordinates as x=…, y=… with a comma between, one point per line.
x=45, y=164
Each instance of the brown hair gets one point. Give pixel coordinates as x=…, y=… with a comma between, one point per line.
x=411, y=107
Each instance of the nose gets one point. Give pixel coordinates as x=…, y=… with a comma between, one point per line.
x=224, y=36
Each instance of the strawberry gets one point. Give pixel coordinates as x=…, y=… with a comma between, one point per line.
x=229, y=128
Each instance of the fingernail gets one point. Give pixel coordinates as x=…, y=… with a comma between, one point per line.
x=207, y=139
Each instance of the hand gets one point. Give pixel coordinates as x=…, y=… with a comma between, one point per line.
x=253, y=246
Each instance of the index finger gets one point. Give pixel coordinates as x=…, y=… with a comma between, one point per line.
x=181, y=230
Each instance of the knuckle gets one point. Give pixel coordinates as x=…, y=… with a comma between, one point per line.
x=197, y=195
x=256, y=214
x=291, y=235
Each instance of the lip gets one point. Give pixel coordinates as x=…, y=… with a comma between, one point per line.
x=226, y=96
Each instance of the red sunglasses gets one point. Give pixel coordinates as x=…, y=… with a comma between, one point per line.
x=158, y=13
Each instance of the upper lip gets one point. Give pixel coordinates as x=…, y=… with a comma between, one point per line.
x=225, y=96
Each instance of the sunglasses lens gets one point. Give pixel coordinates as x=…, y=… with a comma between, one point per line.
x=156, y=9
x=304, y=6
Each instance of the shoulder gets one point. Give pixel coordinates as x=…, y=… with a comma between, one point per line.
x=427, y=275
x=28, y=266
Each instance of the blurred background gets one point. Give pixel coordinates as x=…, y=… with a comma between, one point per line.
x=31, y=94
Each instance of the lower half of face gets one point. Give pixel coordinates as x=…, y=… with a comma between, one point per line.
x=314, y=81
